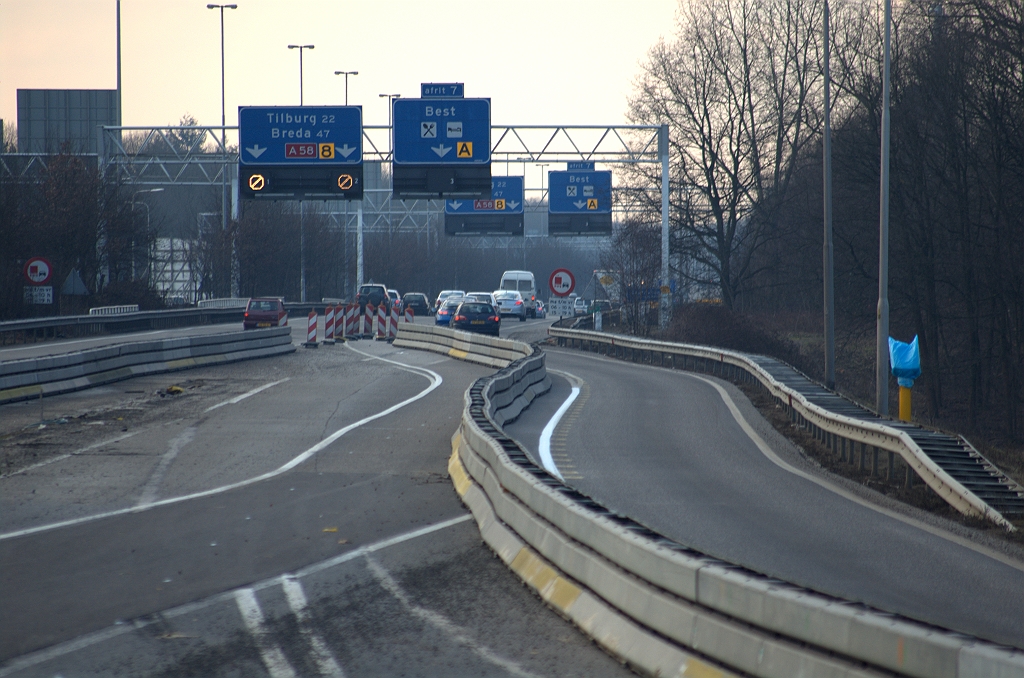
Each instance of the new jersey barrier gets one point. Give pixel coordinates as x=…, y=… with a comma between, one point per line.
x=50, y=375
x=475, y=348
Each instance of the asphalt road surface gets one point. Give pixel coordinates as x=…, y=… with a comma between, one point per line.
x=285, y=516
x=663, y=447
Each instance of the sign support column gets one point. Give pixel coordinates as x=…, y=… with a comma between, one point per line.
x=665, y=305
x=359, y=247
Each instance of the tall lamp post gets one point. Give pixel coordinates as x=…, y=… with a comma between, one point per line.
x=346, y=74
x=300, y=48
x=391, y=99
x=302, y=225
x=223, y=132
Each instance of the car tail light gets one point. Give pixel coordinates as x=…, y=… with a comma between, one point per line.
x=246, y=315
x=519, y=303
x=495, y=319
x=459, y=318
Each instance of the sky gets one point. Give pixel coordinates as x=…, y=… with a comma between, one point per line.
x=541, y=62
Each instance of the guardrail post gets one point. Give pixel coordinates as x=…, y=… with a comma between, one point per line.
x=891, y=471
x=874, y=460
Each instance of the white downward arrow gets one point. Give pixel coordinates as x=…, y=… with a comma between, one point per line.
x=456, y=204
x=580, y=204
x=513, y=204
x=345, y=150
x=441, y=150
x=256, y=150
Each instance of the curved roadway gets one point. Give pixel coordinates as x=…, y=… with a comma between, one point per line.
x=664, y=448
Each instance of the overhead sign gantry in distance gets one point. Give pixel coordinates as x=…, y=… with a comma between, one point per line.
x=290, y=152
x=580, y=202
x=442, y=145
x=500, y=214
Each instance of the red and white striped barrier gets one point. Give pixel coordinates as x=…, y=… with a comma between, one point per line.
x=371, y=313
x=380, y=330
x=393, y=324
x=351, y=320
x=409, y=314
x=311, y=331
x=329, y=324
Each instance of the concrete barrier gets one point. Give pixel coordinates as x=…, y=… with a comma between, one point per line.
x=475, y=348
x=660, y=606
x=50, y=375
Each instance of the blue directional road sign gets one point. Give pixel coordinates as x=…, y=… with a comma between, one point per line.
x=506, y=198
x=442, y=131
x=580, y=166
x=580, y=192
x=447, y=90
x=300, y=135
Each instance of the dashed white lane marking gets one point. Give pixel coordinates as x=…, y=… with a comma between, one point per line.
x=62, y=457
x=325, y=662
x=151, y=487
x=544, y=448
x=247, y=394
x=442, y=623
x=435, y=381
x=191, y=609
x=275, y=661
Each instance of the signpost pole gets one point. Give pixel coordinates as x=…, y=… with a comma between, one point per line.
x=359, y=246
x=665, y=306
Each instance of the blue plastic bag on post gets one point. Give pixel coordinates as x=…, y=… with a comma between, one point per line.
x=905, y=360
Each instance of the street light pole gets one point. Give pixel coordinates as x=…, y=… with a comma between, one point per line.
x=391, y=99
x=346, y=74
x=882, y=329
x=223, y=132
x=300, y=48
x=302, y=225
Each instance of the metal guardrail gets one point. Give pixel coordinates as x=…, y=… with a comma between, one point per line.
x=837, y=422
x=663, y=607
x=114, y=310
x=59, y=327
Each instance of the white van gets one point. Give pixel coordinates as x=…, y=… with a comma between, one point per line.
x=524, y=283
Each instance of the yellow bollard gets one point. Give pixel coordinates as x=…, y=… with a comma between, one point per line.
x=904, y=403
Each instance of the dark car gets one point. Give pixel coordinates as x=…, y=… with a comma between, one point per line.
x=264, y=312
x=446, y=311
x=372, y=294
x=476, y=316
x=417, y=301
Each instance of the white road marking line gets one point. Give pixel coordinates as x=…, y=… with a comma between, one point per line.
x=768, y=452
x=275, y=661
x=149, y=490
x=91, y=639
x=240, y=398
x=435, y=381
x=544, y=447
x=326, y=664
x=442, y=623
x=62, y=457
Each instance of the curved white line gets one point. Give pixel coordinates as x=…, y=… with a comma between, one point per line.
x=435, y=381
x=544, y=449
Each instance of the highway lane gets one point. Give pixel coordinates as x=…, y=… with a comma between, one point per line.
x=104, y=596
x=662, y=447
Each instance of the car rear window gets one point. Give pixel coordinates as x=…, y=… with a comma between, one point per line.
x=477, y=308
x=262, y=305
x=525, y=285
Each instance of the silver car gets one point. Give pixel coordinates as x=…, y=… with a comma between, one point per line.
x=511, y=303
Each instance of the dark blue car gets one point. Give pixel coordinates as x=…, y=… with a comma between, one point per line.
x=476, y=316
x=445, y=311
